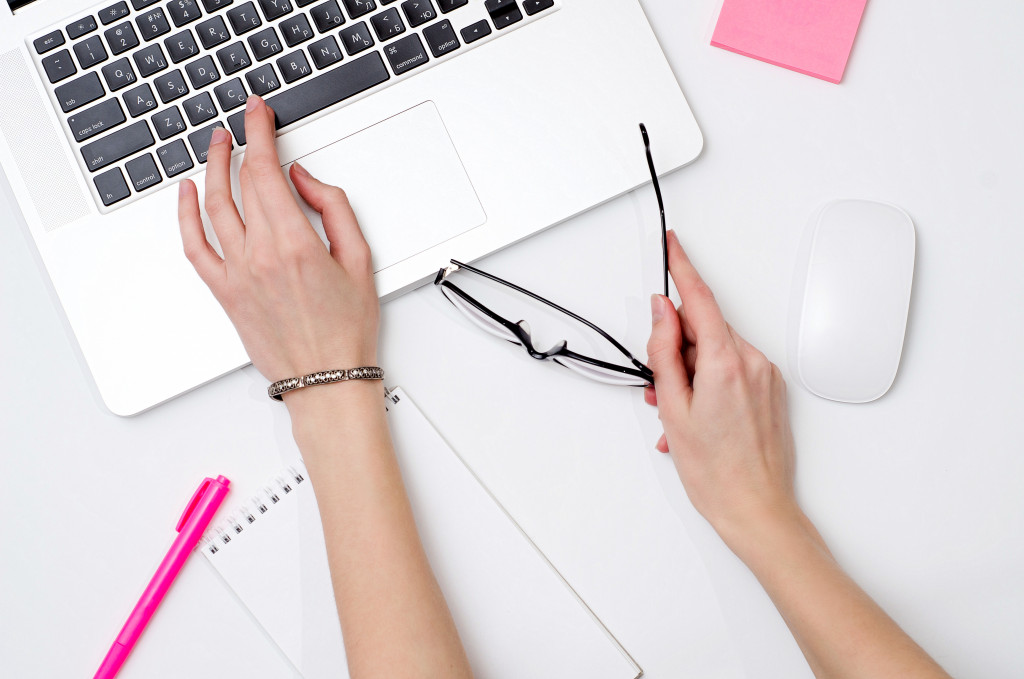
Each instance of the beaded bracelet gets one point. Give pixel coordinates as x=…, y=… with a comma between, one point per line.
x=277, y=390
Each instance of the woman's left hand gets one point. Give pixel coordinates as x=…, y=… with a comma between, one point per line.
x=298, y=306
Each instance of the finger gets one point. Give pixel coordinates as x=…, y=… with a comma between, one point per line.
x=348, y=246
x=219, y=203
x=650, y=396
x=699, y=305
x=688, y=333
x=664, y=353
x=690, y=360
x=198, y=250
x=662, y=445
x=255, y=219
x=265, y=167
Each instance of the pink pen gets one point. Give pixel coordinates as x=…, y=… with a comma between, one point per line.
x=191, y=526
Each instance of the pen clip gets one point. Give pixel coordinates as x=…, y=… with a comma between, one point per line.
x=192, y=503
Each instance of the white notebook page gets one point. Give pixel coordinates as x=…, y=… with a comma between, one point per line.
x=515, y=614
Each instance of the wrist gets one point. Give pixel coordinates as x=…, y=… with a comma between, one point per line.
x=321, y=408
x=758, y=539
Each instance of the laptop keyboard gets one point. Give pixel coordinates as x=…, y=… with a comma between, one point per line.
x=142, y=86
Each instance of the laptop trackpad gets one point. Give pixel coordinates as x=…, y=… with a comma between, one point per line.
x=405, y=181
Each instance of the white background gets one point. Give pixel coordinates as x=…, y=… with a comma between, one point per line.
x=918, y=494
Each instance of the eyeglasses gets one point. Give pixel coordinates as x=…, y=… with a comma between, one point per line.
x=635, y=375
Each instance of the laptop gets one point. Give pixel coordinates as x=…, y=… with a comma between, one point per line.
x=457, y=127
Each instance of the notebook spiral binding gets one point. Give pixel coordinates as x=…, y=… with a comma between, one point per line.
x=249, y=513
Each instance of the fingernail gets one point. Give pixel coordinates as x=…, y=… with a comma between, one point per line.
x=657, y=309
x=252, y=102
x=182, y=189
x=672, y=235
x=219, y=136
x=301, y=170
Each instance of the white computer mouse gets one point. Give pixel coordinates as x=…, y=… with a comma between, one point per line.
x=851, y=296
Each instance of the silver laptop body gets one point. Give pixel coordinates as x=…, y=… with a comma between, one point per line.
x=457, y=127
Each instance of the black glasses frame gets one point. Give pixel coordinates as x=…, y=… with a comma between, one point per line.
x=522, y=332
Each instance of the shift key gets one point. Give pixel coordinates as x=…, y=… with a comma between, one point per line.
x=116, y=146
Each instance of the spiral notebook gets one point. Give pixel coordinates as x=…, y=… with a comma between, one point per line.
x=517, y=617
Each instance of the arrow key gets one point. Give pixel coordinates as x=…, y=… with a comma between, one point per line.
x=474, y=32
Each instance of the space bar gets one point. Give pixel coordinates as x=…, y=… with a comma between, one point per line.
x=328, y=89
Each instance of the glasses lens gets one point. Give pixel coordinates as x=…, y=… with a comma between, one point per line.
x=479, y=318
x=599, y=374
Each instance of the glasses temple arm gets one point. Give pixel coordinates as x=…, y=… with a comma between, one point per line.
x=661, y=204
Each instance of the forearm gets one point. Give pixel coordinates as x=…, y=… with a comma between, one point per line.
x=393, y=614
x=842, y=632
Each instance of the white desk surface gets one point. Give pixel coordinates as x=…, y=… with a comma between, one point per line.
x=920, y=495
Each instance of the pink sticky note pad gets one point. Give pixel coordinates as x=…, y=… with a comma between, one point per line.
x=808, y=36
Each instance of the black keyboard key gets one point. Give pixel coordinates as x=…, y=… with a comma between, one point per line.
x=303, y=3
x=275, y=9
x=262, y=80
x=499, y=6
x=448, y=5
x=59, y=66
x=118, y=145
x=388, y=24
x=183, y=11
x=152, y=24
x=200, y=141
x=325, y=52
x=142, y=172
x=118, y=74
x=121, y=38
x=150, y=60
x=181, y=46
x=175, y=158
x=202, y=72
x=90, y=52
x=50, y=41
x=406, y=54
x=233, y=58
x=111, y=186
x=139, y=100
x=265, y=44
x=236, y=121
x=111, y=14
x=79, y=92
x=99, y=118
x=293, y=66
x=503, y=13
x=141, y=4
x=328, y=89
x=167, y=123
x=296, y=30
x=327, y=16
x=474, y=32
x=199, y=108
x=212, y=32
x=170, y=86
x=244, y=18
x=441, y=38
x=356, y=38
x=534, y=6
x=357, y=8
x=418, y=12
x=231, y=94
x=213, y=5
x=81, y=27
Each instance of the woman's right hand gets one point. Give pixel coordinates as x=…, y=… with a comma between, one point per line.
x=723, y=407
